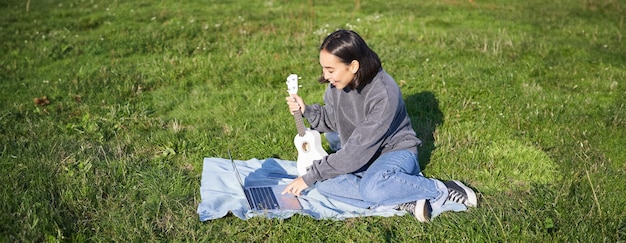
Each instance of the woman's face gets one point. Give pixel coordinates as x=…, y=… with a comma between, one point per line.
x=336, y=72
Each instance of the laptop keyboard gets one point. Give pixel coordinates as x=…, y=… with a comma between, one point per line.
x=262, y=198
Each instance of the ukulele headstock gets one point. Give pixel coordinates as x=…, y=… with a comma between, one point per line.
x=292, y=84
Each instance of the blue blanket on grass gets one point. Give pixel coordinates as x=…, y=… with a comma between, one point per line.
x=220, y=193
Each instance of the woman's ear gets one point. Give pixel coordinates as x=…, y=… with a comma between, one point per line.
x=354, y=66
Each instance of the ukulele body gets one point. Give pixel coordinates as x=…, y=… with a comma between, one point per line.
x=309, y=149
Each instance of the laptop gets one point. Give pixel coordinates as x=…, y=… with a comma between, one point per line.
x=267, y=198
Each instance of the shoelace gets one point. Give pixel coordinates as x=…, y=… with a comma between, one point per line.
x=406, y=206
x=457, y=197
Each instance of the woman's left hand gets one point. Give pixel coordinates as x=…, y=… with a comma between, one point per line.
x=296, y=187
x=295, y=102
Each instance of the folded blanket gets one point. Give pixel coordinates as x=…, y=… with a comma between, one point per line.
x=221, y=192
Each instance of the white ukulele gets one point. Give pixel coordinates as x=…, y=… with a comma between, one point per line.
x=308, y=142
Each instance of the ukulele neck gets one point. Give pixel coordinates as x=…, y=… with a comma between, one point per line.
x=297, y=115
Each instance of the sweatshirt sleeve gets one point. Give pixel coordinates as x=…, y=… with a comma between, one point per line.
x=322, y=118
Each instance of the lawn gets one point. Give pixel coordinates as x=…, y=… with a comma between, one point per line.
x=109, y=107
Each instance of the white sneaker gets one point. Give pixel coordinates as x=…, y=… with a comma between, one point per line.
x=420, y=209
x=460, y=193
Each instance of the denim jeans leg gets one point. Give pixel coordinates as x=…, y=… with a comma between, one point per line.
x=333, y=140
x=395, y=178
x=343, y=188
x=392, y=179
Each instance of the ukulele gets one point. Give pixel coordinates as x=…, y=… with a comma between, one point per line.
x=308, y=142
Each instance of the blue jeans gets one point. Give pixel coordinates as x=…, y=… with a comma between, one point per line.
x=392, y=179
x=333, y=140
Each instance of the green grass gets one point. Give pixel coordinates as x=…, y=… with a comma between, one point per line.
x=522, y=100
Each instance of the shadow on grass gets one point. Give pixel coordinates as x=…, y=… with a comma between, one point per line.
x=423, y=108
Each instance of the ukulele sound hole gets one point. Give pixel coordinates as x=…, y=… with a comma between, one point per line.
x=306, y=147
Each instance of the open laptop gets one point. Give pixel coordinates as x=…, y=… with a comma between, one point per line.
x=267, y=198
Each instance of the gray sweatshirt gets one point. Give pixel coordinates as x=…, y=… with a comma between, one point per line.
x=371, y=122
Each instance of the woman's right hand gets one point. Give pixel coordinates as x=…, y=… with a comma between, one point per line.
x=295, y=103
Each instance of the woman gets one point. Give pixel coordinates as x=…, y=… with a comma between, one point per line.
x=377, y=163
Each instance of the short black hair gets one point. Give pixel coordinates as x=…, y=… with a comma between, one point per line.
x=347, y=45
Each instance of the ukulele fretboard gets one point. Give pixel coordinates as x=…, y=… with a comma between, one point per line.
x=299, y=123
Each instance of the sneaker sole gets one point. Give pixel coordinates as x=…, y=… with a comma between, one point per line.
x=424, y=206
x=471, y=195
